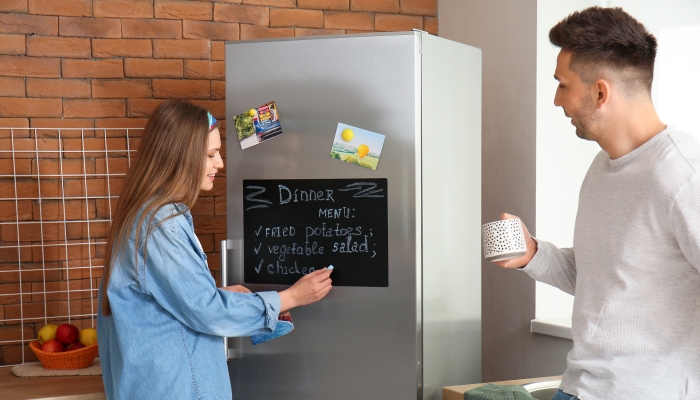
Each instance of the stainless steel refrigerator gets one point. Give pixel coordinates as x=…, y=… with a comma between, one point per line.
x=404, y=316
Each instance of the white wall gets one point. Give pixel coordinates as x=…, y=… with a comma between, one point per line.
x=563, y=158
x=678, y=78
x=532, y=161
x=676, y=25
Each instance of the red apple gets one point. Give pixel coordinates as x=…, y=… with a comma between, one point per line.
x=67, y=333
x=75, y=346
x=53, y=346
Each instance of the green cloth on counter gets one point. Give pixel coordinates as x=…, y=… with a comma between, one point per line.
x=498, y=392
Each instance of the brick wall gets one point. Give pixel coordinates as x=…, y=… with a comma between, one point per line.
x=108, y=64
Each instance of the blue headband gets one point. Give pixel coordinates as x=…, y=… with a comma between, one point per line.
x=212, y=120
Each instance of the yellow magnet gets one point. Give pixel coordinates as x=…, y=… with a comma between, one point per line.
x=347, y=134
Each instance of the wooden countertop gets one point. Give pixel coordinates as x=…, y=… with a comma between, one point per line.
x=50, y=387
x=457, y=392
x=91, y=387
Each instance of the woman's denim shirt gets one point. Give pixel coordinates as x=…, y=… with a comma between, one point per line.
x=164, y=337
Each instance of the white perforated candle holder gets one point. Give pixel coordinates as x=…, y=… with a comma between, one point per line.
x=503, y=240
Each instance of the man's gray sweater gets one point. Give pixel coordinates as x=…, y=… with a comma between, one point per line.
x=634, y=272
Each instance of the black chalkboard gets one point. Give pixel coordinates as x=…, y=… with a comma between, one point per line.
x=293, y=227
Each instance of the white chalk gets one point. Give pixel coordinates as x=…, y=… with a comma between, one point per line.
x=330, y=267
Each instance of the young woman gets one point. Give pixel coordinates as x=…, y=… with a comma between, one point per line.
x=161, y=316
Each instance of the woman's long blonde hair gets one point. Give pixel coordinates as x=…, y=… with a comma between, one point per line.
x=169, y=168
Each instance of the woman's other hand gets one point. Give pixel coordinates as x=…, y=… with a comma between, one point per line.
x=309, y=289
x=236, y=289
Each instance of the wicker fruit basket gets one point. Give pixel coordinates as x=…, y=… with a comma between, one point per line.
x=74, y=359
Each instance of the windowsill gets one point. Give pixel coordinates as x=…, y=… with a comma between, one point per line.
x=560, y=327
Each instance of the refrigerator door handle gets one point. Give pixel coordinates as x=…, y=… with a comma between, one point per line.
x=223, y=249
x=232, y=346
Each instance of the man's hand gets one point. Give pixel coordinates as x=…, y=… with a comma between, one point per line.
x=531, y=248
x=309, y=289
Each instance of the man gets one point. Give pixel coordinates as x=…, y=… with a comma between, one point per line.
x=634, y=264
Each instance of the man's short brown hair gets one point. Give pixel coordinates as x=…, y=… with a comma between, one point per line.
x=606, y=37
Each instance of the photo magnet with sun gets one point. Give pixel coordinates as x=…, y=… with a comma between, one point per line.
x=357, y=146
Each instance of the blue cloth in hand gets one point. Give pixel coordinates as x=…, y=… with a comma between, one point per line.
x=282, y=328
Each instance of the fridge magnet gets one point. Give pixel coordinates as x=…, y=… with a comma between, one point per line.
x=258, y=125
x=357, y=146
